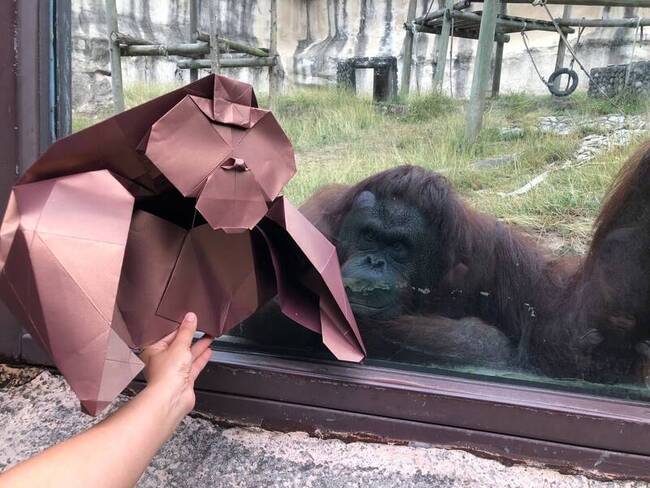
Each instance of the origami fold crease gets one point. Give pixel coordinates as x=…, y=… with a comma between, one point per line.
x=118, y=230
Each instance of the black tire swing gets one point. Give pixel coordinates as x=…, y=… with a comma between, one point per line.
x=556, y=91
x=570, y=88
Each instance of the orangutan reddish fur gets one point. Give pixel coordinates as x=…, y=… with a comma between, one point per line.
x=567, y=317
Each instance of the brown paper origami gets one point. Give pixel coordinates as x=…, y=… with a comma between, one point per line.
x=118, y=230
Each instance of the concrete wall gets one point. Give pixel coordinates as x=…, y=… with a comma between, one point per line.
x=313, y=34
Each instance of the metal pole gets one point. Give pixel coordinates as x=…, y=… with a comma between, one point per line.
x=498, y=57
x=481, y=77
x=116, y=57
x=409, y=38
x=561, y=47
x=194, y=27
x=443, y=44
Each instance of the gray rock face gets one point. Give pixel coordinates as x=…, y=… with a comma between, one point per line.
x=44, y=411
x=313, y=35
x=611, y=80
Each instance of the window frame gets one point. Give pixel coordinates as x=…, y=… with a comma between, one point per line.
x=572, y=432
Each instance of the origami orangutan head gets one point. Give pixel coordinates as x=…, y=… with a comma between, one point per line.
x=118, y=230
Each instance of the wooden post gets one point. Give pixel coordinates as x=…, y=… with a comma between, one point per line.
x=214, y=38
x=194, y=28
x=409, y=38
x=443, y=44
x=116, y=57
x=481, y=77
x=274, y=82
x=63, y=57
x=561, y=48
x=498, y=57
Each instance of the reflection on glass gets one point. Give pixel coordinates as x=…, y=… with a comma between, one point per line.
x=434, y=283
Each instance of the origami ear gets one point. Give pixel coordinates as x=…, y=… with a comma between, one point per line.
x=310, y=288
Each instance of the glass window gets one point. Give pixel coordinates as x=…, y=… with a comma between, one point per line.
x=500, y=258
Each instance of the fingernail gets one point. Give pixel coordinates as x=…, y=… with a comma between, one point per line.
x=190, y=317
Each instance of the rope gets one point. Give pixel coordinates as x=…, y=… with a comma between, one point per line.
x=573, y=53
x=629, y=65
x=524, y=37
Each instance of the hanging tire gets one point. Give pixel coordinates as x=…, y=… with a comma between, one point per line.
x=570, y=89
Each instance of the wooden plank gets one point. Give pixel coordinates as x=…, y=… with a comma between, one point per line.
x=191, y=49
x=594, y=3
x=214, y=36
x=480, y=79
x=631, y=22
x=408, y=49
x=128, y=40
x=239, y=47
x=274, y=79
x=63, y=54
x=443, y=44
x=511, y=24
x=194, y=27
x=462, y=32
x=228, y=63
x=436, y=14
x=498, y=57
x=116, y=60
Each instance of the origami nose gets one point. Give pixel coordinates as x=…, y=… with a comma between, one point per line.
x=235, y=164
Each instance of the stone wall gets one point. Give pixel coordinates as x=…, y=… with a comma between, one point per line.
x=314, y=35
x=611, y=80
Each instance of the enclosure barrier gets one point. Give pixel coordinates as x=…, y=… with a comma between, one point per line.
x=202, y=44
x=490, y=25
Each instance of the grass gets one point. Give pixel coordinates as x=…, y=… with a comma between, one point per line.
x=342, y=138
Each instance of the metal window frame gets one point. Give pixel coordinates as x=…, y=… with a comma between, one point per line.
x=571, y=432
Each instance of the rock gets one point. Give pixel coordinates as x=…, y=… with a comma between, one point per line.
x=493, y=163
x=511, y=133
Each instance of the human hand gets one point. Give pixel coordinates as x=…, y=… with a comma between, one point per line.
x=173, y=363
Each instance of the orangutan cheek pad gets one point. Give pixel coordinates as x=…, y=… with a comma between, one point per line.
x=173, y=206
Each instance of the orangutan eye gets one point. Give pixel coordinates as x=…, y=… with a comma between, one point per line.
x=368, y=235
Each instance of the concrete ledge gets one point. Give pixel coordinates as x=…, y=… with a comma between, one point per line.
x=43, y=411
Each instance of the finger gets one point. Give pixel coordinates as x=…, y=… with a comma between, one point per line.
x=156, y=347
x=186, y=331
x=200, y=346
x=199, y=363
